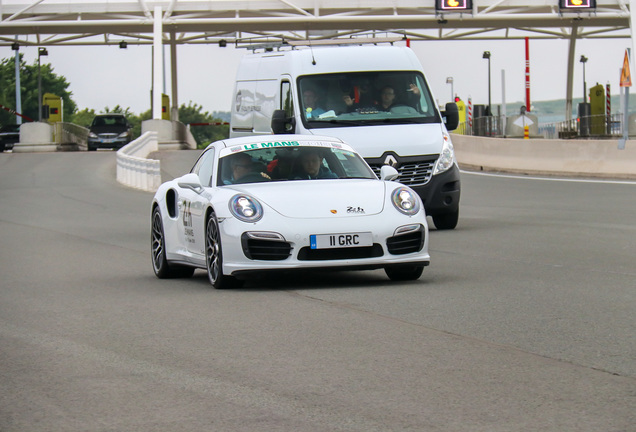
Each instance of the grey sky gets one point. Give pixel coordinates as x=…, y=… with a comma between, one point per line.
x=103, y=76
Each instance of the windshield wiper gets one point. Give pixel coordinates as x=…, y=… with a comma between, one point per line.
x=403, y=120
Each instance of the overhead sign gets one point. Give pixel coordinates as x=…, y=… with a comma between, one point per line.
x=626, y=74
x=577, y=4
x=453, y=5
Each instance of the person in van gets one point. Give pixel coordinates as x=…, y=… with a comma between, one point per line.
x=311, y=166
x=360, y=96
x=387, y=98
x=310, y=102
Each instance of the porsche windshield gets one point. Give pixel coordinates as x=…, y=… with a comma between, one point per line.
x=365, y=98
x=291, y=163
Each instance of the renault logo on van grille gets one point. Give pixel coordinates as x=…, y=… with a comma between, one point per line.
x=390, y=161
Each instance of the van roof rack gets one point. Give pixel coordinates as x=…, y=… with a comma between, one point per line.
x=276, y=45
x=349, y=41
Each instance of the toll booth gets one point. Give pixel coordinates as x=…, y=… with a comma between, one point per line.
x=52, y=108
x=597, y=110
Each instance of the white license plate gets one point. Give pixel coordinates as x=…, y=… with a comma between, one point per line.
x=346, y=240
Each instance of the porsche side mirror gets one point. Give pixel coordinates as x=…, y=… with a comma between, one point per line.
x=388, y=173
x=190, y=181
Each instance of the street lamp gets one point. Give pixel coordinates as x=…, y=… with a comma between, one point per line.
x=41, y=52
x=449, y=80
x=584, y=60
x=487, y=56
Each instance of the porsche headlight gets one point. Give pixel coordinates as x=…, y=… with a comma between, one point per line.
x=406, y=201
x=246, y=208
x=446, y=157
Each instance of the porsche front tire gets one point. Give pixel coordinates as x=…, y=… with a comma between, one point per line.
x=214, y=256
x=404, y=272
x=160, y=264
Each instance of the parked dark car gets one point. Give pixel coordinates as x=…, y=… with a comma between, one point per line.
x=110, y=131
x=9, y=135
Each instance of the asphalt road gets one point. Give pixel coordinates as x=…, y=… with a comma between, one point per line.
x=525, y=320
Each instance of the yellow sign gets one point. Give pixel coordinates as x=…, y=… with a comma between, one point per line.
x=597, y=109
x=165, y=107
x=53, y=104
x=626, y=75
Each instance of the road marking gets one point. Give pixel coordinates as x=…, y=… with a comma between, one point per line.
x=558, y=179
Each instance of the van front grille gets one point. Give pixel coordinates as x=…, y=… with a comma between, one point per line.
x=411, y=173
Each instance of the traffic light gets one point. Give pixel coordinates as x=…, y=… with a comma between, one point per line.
x=453, y=5
x=574, y=5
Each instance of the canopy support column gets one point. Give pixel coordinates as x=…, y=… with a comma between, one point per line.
x=157, y=70
x=570, y=80
x=174, y=112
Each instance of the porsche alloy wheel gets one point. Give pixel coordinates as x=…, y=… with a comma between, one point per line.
x=160, y=265
x=214, y=256
x=404, y=272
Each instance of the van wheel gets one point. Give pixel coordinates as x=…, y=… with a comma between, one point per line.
x=446, y=221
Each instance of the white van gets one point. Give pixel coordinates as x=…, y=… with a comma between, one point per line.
x=345, y=92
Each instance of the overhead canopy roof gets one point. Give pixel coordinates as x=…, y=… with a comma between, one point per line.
x=67, y=22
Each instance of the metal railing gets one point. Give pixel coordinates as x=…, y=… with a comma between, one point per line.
x=599, y=126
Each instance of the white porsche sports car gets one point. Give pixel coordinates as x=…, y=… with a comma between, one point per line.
x=282, y=202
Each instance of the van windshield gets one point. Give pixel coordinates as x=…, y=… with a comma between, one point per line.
x=365, y=98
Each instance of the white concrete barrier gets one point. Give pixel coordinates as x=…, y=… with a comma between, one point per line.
x=133, y=169
x=35, y=137
x=593, y=158
x=173, y=135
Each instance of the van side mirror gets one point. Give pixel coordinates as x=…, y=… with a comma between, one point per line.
x=282, y=124
x=451, y=116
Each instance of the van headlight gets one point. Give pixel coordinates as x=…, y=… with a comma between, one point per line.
x=446, y=157
x=405, y=201
x=246, y=208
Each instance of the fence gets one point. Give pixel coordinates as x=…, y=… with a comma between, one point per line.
x=133, y=169
x=599, y=126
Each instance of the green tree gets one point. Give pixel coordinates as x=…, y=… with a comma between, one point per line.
x=204, y=135
x=51, y=83
x=83, y=117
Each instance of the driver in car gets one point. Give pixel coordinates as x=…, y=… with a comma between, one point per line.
x=312, y=167
x=244, y=170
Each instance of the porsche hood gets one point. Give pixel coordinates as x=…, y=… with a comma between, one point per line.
x=305, y=199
